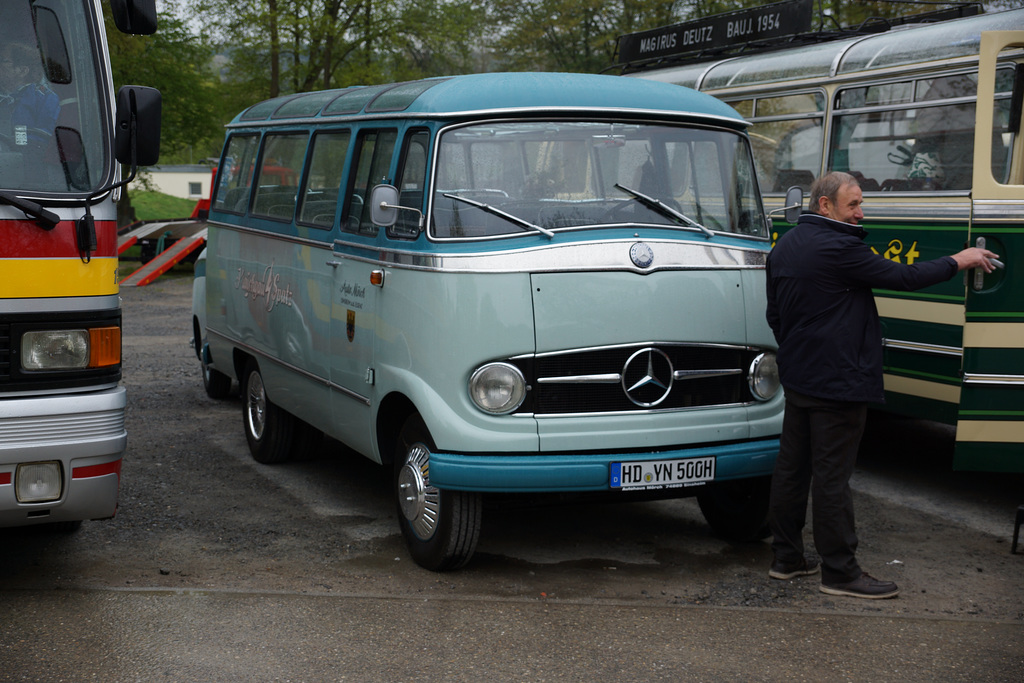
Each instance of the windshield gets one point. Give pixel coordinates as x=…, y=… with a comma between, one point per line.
x=52, y=123
x=511, y=178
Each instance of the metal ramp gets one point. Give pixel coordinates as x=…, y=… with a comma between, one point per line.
x=166, y=259
x=177, y=229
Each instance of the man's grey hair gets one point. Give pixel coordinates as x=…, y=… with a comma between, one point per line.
x=829, y=185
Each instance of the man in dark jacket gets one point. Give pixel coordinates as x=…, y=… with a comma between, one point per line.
x=822, y=311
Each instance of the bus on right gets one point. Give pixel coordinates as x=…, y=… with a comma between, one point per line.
x=928, y=118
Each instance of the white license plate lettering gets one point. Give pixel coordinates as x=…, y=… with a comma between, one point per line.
x=657, y=474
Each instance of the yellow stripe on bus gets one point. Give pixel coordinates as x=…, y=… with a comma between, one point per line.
x=920, y=311
x=924, y=389
x=990, y=431
x=39, y=278
x=994, y=335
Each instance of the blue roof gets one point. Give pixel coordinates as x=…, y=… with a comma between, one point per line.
x=497, y=93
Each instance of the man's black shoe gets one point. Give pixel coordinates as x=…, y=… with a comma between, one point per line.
x=863, y=587
x=804, y=567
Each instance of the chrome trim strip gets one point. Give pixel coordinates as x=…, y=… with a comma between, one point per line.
x=321, y=244
x=485, y=114
x=717, y=406
x=609, y=378
x=615, y=378
x=993, y=380
x=308, y=375
x=638, y=345
x=70, y=304
x=575, y=256
x=920, y=347
x=705, y=374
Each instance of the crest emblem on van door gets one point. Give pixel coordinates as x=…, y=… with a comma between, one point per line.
x=350, y=324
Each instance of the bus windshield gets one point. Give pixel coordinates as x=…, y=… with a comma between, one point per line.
x=495, y=179
x=53, y=131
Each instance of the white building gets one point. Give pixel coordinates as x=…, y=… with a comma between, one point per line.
x=188, y=181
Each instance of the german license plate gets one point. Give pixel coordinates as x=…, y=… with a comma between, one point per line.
x=661, y=474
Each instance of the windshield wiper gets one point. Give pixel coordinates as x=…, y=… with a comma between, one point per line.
x=501, y=214
x=46, y=220
x=664, y=209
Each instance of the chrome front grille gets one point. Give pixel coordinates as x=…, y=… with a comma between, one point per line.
x=654, y=376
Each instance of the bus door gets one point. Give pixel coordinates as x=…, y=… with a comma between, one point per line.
x=358, y=276
x=990, y=425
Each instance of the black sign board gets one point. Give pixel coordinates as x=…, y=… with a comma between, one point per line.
x=721, y=30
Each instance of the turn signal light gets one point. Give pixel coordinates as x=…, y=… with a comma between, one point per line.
x=104, y=346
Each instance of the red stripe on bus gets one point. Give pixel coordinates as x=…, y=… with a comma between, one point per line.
x=89, y=471
x=5, y=478
x=24, y=239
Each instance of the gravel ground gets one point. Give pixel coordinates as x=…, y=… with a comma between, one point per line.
x=196, y=512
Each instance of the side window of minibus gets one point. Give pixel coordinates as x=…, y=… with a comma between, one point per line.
x=412, y=178
x=277, y=183
x=323, y=181
x=370, y=163
x=236, y=174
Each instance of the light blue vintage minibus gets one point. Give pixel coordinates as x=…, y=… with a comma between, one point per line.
x=499, y=284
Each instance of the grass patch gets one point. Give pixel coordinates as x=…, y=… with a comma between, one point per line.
x=156, y=206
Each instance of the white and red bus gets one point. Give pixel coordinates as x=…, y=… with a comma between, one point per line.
x=63, y=136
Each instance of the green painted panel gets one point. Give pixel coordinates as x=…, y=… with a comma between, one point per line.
x=989, y=457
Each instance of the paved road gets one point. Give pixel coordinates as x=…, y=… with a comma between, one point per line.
x=217, y=568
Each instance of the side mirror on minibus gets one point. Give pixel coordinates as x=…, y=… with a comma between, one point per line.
x=137, y=125
x=793, y=206
x=794, y=203
x=384, y=207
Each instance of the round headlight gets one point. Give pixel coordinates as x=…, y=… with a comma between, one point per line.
x=763, y=377
x=497, y=388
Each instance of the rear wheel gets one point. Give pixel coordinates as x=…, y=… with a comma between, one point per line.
x=217, y=384
x=441, y=528
x=268, y=429
x=738, y=509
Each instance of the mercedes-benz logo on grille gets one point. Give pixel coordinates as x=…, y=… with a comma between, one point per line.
x=641, y=254
x=647, y=377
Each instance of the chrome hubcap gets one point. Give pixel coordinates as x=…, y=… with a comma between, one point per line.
x=418, y=500
x=256, y=406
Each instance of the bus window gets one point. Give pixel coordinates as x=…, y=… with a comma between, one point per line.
x=277, y=186
x=412, y=179
x=913, y=135
x=323, y=182
x=787, y=135
x=236, y=174
x=371, y=165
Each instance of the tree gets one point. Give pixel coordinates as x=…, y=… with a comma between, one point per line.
x=176, y=62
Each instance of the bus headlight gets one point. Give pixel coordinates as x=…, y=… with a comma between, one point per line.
x=497, y=388
x=38, y=482
x=763, y=377
x=95, y=347
x=55, y=350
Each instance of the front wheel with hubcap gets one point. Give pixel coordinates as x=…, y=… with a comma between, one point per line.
x=441, y=528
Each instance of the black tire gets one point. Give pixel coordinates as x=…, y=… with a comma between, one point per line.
x=737, y=510
x=268, y=429
x=441, y=528
x=217, y=384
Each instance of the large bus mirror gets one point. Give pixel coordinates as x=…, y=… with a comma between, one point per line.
x=134, y=16
x=137, y=125
x=794, y=203
x=384, y=207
